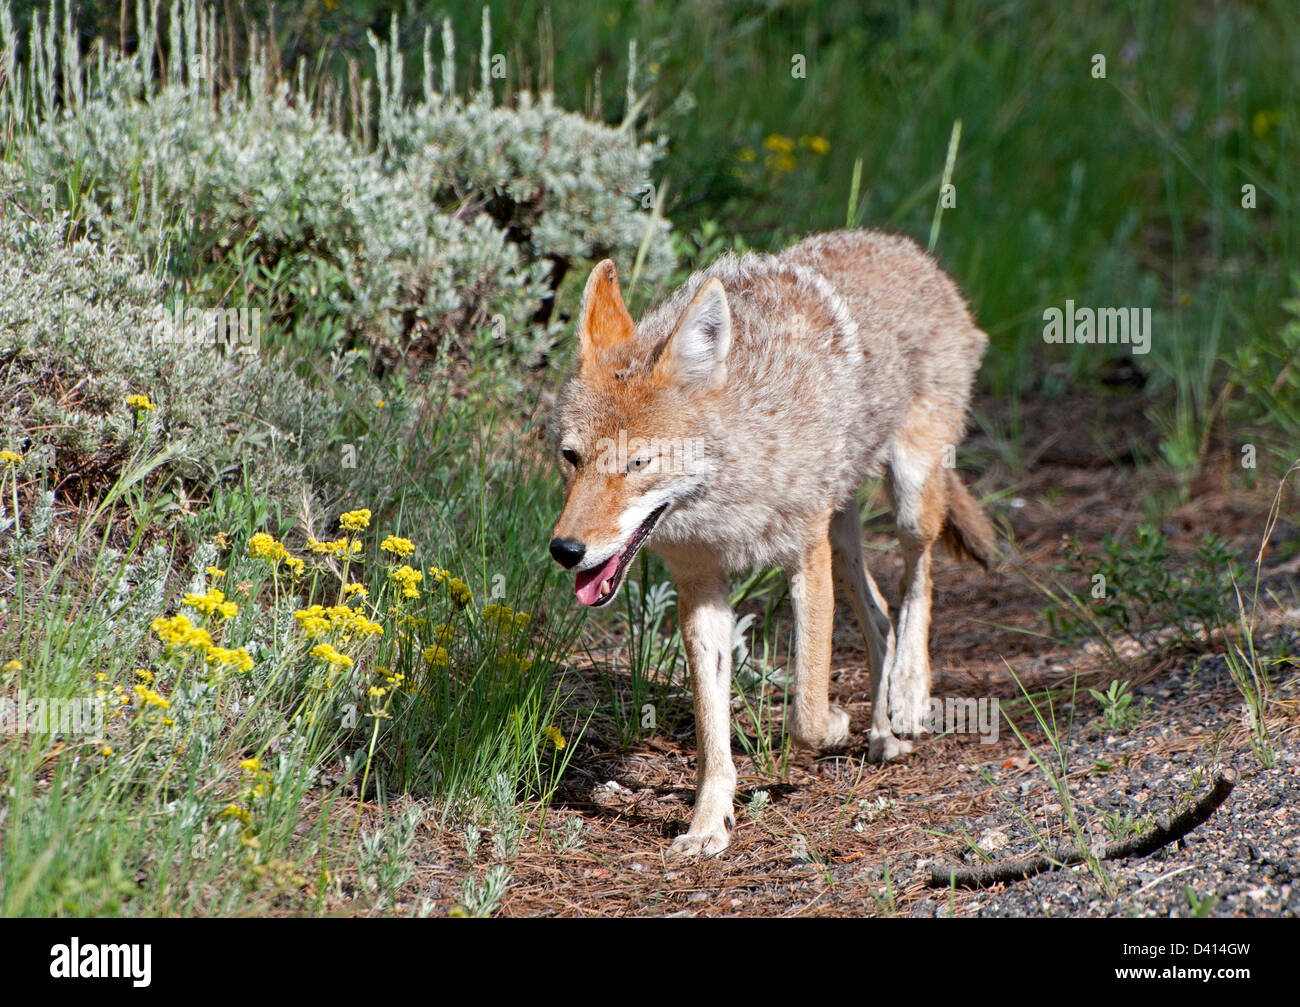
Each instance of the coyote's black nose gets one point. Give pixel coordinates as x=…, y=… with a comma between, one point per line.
x=567, y=551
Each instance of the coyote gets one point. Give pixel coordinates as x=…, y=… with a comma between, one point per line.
x=734, y=426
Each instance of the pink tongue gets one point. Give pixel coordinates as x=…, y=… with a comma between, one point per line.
x=586, y=584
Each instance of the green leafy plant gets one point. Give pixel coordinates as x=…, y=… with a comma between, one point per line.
x=1117, y=705
x=1134, y=588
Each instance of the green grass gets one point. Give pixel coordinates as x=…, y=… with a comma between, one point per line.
x=1125, y=190
x=154, y=815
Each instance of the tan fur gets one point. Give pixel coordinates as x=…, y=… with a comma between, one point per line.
x=850, y=356
x=966, y=530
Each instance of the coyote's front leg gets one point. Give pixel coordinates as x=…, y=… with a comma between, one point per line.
x=917, y=487
x=706, y=619
x=816, y=724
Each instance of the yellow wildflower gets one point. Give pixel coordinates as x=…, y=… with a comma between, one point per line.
x=11, y=666
x=555, y=735
x=178, y=631
x=505, y=618
x=263, y=546
x=436, y=656
x=407, y=579
x=214, y=602
x=779, y=144
x=819, y=145
x=215, y=572
x=355, y=520
x=10, y=457
x=355, y=589
x=313, y=621
x=746, y=155
x=148, y=697
x=140, y=403
x=514, y=663
x=402, y=547
x=251, y=765
x=324, y=652
x=460, y=592
x=338, y=547
x=145, y=675
x=240, y=659
x=235, y=811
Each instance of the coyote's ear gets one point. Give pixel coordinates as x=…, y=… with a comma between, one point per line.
x=603, y=321
x=696, y=352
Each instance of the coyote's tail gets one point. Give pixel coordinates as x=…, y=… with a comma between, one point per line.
x=966, y=531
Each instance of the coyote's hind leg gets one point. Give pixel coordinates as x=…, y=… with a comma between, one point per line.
x=872, y=613
x=916, y=483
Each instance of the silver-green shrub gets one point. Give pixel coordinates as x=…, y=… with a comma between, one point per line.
x=80, y=327
x=461, y=218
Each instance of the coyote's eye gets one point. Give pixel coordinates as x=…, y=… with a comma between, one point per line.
x=570, y=456
x=637, y=464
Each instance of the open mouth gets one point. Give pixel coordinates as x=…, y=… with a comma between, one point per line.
x=597, y=586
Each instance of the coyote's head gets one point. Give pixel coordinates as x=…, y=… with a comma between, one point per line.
x=630, y=428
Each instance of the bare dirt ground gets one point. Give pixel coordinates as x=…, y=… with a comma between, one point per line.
x=842, y=837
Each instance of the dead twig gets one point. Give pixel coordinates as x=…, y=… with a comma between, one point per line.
x=1166, y=831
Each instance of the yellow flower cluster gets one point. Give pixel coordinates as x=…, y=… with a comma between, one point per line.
x=263, y=546
x=11, y=457
x=324, y=652
x=355, y=520
x=178, y=631
x=515, y=663
x=214, y=602
x=457, y=588
x=239, y=658
x=140, y=403
x=555, y=735
x=355, y=589
x=407, y=579
x=401, y=547
x=778, y=144
x=148, y=697
x=505, y=618
x=436, y=656
x=338, y=547
x=781, y=150
x=318, y=620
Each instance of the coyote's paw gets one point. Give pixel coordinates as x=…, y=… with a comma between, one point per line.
x=834, y=735
x=837, y=729
x=887, y=748
x=706, y=840
x=909, y=714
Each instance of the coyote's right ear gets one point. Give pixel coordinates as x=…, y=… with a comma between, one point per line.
x=603, y=320
x=696, y=352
